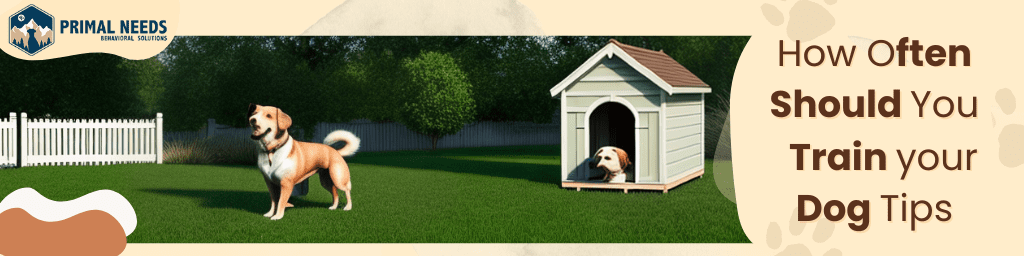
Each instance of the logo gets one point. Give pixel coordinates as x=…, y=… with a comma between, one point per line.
x=31, y=30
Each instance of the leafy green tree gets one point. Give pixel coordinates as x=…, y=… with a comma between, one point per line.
x=511, y=77
x=217, y=77
x=147, y=76
x=193, y=67
x=83, y=86
x=367, y=86
x=438, y=96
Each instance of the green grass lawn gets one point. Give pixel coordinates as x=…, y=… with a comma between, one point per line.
x=476, y=195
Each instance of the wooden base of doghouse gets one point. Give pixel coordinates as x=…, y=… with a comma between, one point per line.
x=625, y=187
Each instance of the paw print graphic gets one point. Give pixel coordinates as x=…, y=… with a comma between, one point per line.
x=1011, y=137
x=823, y=230
x=807, y=20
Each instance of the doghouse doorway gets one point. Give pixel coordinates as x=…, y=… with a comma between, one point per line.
x=612, y=124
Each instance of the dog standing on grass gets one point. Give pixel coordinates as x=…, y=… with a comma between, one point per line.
x=285, y=162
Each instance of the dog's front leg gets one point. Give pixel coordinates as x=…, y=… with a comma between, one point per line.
x=275, y=193
x=283, y=195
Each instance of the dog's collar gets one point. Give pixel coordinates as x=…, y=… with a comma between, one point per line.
x=278, y=147
x=272, y=161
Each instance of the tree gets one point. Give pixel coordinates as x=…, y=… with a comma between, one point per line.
x=147, y=76
x=81, y=86
x=217, y=77
x=367, y=86
x=438, y=96
x=510, y=74
x=194, y=65
x=511, y=77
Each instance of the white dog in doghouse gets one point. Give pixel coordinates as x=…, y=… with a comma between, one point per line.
x=613, y=161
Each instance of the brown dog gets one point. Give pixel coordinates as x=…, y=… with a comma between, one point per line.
x=286, y=162
x=613, y=161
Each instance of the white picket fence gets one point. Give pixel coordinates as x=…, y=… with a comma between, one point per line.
x=44, y=141
x=9, y=141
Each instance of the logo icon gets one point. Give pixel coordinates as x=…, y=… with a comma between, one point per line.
x=31, y=30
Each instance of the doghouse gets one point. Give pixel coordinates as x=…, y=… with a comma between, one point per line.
x=642, y=101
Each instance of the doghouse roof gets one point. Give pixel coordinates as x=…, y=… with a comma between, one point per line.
x=657, y=66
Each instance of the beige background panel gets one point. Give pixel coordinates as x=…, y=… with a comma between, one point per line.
x=259, y=17
x=766, y=180
x=767, y=183
x=573, y=17
x=645, y=17
x=288, y=18
x=438, y=17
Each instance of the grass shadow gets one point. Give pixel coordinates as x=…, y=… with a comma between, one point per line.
x=532, y=163
x=542, y=173
x=231, y=199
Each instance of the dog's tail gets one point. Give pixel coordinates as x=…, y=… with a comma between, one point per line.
x=351, y=141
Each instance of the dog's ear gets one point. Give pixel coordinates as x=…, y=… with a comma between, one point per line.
x=623, y=158
x=252, y=109
x=283, y=122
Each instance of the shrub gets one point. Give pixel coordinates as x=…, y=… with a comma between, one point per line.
x=234, y=150
x=215, y=150
x=188, y=151
x=440, y=100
